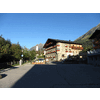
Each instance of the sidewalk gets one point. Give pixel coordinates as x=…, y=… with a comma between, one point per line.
x=13, y=74
x=13, y=67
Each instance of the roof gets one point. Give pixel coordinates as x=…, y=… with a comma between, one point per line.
x=62, y=41
x=97, y=32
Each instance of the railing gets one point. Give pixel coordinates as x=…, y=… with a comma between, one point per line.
x=96, y=42
x=50, y=57
x=70, y=51
x=7, y=64
x=51, y=52
x=73, y=47
x=97, y=47
x=57, y=45
x=57, y=50
x=66, y=51
x=50, y=48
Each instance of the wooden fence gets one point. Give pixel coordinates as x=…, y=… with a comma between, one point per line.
x=9, y=64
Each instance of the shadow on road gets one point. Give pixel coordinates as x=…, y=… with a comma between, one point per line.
x=39, y=76
x=3, y=75
x=60, y=76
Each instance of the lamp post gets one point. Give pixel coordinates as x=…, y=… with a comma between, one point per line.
x=22, y=56
x=21, y=60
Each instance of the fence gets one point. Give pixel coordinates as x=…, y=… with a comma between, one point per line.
x=9, y=64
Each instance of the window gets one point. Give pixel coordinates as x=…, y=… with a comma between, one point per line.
x=62, y=55
x=69, y=49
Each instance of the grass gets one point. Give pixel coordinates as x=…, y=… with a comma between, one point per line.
x=15, y=65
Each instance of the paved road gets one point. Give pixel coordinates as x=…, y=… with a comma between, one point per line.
x=52, y=76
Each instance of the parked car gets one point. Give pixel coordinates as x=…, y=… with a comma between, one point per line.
x=39, y=60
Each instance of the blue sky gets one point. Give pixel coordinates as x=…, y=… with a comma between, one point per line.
x=30, y=29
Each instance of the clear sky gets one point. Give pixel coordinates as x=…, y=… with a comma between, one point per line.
x=30, y=29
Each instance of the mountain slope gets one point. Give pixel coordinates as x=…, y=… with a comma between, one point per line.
x=40, y=46
x=84, y=39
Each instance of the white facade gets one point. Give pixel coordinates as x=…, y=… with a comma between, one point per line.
x=36, y=47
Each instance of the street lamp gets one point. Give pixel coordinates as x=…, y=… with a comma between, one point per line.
x=22, y=58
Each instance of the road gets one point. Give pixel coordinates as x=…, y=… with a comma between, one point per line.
x=51, y=76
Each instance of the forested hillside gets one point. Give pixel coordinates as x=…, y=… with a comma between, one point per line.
x=84, y=39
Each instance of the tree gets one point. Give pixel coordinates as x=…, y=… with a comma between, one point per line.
x=16, y=51
x=26, y=54
x=33, y=54
x=4, y=49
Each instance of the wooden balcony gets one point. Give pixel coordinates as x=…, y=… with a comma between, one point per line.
x=54, y=46
x=50, y=52
x=58, y=45
x=76, y=48
x=96, y=42
x=70, y=51
x=50, y=48
x=97, y=47
x=57, y=50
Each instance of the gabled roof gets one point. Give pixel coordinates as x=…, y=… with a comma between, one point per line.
x=97, y=32
x=62, y=41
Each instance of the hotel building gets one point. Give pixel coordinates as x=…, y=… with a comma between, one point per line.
x=60, y=49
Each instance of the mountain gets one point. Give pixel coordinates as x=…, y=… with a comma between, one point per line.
x=84, y=39
x=88, y=34
x=40, y=46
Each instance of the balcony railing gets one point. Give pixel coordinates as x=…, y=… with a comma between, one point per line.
x=57, y=45
x=96, y=42
x=97, y=47
x=77, y=48
x=70, y=51
x=57, y=50
x=66, y=51
x=51, y=52
x=50, y=48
